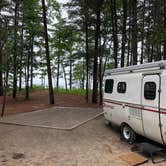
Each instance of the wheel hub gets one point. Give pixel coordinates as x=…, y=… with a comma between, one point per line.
x=126, y=132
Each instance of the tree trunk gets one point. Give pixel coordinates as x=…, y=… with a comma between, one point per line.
x=114, y=31
x=129, y=41
x=95, y=63
x=32, y=57
x=83, y=77
x=70, y=73
x=124, y=32
x=27, y=78
x=165, y=26
x=64, y=72
x=1, y=73
x=15, y=51
x=1, y=64
x=87, y=58
x=5, y=90
x=100, y=80
x=21, y=57
x=51, y=93
x=165, y=50
x=58, y=67
x=142, y=33
x=102, y=68
x=31, y=72
x=134, y=31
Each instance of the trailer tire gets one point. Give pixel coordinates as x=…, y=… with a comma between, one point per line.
x=128, y=134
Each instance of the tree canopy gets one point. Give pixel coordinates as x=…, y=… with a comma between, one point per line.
x=36, y=40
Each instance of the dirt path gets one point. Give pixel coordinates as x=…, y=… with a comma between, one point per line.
x=39, y=100
x=92, y=144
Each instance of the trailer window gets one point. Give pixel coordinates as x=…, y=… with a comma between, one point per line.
x=109, y=85
x=121, y=87
x=150, y=90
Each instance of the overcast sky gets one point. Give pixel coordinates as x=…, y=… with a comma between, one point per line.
x=62, y=1
x=64, y=13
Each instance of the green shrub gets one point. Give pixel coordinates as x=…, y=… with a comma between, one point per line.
x=38, y=87
x=73, y=91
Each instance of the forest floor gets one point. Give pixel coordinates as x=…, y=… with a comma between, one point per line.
x=40, y=100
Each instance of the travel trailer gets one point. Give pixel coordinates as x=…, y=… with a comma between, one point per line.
x=135, y=100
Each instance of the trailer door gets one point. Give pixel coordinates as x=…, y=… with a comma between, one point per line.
x=151, y=107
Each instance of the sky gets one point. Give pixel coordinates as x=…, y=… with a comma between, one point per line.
x=64, y=13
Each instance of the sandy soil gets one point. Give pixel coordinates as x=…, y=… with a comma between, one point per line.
x=39, y=100
x=92, y=144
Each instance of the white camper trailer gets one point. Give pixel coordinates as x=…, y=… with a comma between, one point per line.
x=135, y=100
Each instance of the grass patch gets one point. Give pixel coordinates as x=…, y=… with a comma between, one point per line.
x=38, y=87
x=73, y=91
x=60, y=90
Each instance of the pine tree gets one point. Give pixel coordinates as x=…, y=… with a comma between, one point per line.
x=51, y=93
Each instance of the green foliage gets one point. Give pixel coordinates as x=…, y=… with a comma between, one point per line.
x=21, y=37
x=60, y=90
x=73, y=91
x=38, y=87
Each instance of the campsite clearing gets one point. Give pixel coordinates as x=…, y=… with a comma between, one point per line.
x=90, y=144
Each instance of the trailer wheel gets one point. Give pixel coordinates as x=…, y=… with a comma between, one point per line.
x=128, y=134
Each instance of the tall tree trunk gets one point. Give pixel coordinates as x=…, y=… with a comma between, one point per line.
x=95, y=63
x=70, y=73
x=142, y=33
x=129, y=41
x=124, y=32
x=31, y=72
x=27, y=76
x=21, y=57
x=100, y=79
x=65, y=77
x=5, y=90
x=101, y=67
x=152, y=54
x=128, y=49
x=148, y=44
x=149, y=57
x=15, y=50
x=83, y=77
x=32, y=57
x=51, y=93
x=58, y=67
x=165, y=26
x=134, y=31
x=1, y=73
x=87, y=58
x=1, y=63
x=114, y=31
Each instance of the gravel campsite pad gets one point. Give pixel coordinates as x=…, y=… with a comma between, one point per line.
x=58, y=117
